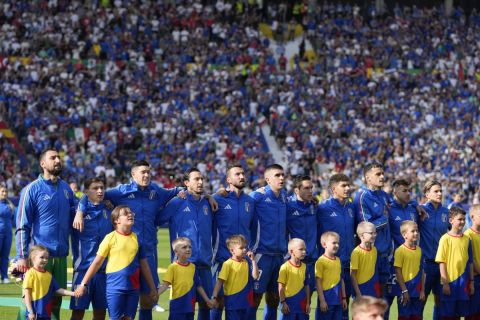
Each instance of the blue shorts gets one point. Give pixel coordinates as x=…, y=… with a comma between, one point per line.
x=310, y=275
x=432, y=278
x=205, y=275
x=333, y=313
x=122, y=303
x=383, y=265
x=413, y=308
x=293, y=316
x=268, y=268
x=454, y=308
x=238, y=314
x=181, y=316
x=153, y=265
x=96, y=293
x=475, y=298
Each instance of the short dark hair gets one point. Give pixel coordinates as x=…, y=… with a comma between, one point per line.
x=87, y=183
x=400, y=182
x=336, y=178
x=139, y=163
x=371, y=166
x=455, y=211
x=274, y=166
x=44, y=153
x=298, y=179
x=186, y=175
x=235, y=165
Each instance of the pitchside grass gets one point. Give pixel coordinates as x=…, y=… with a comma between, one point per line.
x=14, y=291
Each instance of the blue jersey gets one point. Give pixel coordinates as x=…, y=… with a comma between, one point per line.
x=97, y=225
x=234, y=216
x=302, y=223
x=398, y=214
x=147, y=205
x=373, y=206
x=192, y=219
x=269, y=232
x=335, y=216
x=6, y=215
x=44, y=216
x=432, y=229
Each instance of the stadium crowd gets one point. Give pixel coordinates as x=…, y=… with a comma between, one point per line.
x=184, y=83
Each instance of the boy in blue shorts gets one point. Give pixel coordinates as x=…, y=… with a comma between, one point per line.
x=408, y=263
x=454, y=256
x=293, y=289
x=474, y=234
x=363, y=263
x=237, y=275
x=125, y=262
x=93, y=223
x=183, y=277
x=330, y=285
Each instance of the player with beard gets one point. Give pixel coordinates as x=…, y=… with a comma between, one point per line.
x=234, y=216
x=44, y=216
x=192, y=218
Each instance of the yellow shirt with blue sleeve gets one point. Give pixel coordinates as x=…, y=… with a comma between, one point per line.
x=237, y=287
x=365, y=262
x=330, y=271
x=293, y=278
x=184, y=281
x=456, y=253
x=43, y=287
x=411, y=262
x=123, y=266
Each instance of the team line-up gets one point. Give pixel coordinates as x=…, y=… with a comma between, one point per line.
x=229, y=249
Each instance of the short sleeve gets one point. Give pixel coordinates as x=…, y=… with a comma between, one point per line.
x=441, y=256
x=282, y=275
x=354, y=261
x=28, y=281
x=104, y=248
x=169, y=275
x=54, y=284
x=398, y=259
x=319, y=269
x=223, y=275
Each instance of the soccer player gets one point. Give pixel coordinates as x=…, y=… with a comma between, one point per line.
x=454, y=255
x=302, y=222
x=372, y=205
x=431, y=230
x=408, y=265
x=330, y=285
x=126, y=261
x=39, y=286
x=293, y=289
x=233, y=217
x=474, y=234
x=401, y=209
x=337, y=214
x=96, y=224
x=146, y=200
x=192, y=218
x=363, y=263
x=183, y=278
x=270, y=244
x=6, y=213
x=236, y=276
x=45, y=211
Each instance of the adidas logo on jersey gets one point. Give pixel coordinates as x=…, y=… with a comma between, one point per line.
x=333, y=214
x=268, y=200
x=398, y=218
x=375, y=205
x=87, y=217
x=132, y=196
x=47, y=197
x=296, y=213
x=187, y=209
x=227, y=207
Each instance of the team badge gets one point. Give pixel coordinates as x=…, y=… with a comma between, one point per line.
x=205, y=210
x=412, y=216
x=67, y=196
x=247, y=207
x=444, y=217
x=350, y=212
x=105, y=214
x=153, y=195
x=312, y=210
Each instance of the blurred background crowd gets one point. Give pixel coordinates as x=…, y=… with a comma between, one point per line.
x=191, y=83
